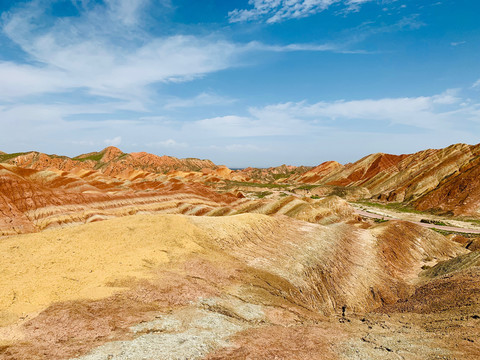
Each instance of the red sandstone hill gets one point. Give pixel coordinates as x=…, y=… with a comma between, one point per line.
x=111, y=161
x=436, y=179
x=317, y=173
x=32, y=200
x=444, y=180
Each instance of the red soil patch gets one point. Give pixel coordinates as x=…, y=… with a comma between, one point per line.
x=278, y=342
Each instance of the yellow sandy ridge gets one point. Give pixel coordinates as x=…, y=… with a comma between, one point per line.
x=79, y=262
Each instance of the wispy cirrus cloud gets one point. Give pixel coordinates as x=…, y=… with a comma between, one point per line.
x=202, y=99
x=77, y=52
x=116, y=141
x=87, y=73
x=301, y=118
x=127, y=11
x=64, y=54
x=274, y=11
x=169, y=143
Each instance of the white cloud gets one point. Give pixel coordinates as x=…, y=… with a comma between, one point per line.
x=126, y=11
x=113, y=142
x=331, y=47
x=420, y=112
x=202, y=99
x=22, y=80
x=476, y=84
x=303, y=119
x=75, y=53
x=233, y=126
x=458, y=43
x=278, y=10
x=120, y=63
x=354, y=5
x=169, y=143
x=448, y=97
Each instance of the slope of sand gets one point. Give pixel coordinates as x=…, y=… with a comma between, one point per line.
x=58, y=265
x=175, y=285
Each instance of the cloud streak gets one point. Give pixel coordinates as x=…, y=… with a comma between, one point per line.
x=274, y=11
x=102, y=64
x=116, y=141
x=169, y=143
x=202, y=99
x=123, y=63
x=427, y=113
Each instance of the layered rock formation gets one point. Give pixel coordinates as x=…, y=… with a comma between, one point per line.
x=443, y=179
x=273, y=173
x=41, y=191
x=33, y=200
x=111, y=161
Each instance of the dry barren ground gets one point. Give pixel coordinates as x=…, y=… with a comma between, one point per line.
x=248, y=286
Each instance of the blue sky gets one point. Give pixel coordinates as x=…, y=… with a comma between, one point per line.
x=243, y=83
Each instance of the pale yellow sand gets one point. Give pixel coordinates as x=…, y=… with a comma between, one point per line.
x=79, y=262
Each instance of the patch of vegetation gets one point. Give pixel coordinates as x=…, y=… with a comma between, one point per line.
x=93, y=157
x=6, y=157
x=252, y=184
x=400, y=207
x=282, y=194
x=281, y=176
x=307, y=187
x=315, y=197
x=262, y=194
x=448, y=232
x=380, y=220
x=472, y=221
x=443, y=232
x=434, y=222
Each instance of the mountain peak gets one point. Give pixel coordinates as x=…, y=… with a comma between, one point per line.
x=110, y=149
x=110, y=153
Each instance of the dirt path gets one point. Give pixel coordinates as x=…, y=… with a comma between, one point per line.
x=430, y=226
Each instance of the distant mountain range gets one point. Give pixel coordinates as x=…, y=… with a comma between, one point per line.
x=444, y=180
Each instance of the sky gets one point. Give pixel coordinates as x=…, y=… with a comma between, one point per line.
x=241, y=82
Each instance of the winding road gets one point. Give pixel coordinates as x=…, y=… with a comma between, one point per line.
x=430, y=226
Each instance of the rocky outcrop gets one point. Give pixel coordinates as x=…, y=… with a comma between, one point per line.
x=436, y=179
x=317, y=173
x=32, y=200
x=111, y=161
x=278, y=173
x=458, y=194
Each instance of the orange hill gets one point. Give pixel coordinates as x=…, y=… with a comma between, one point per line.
x=443, y=180
x=111, y=161
x=435, y=179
